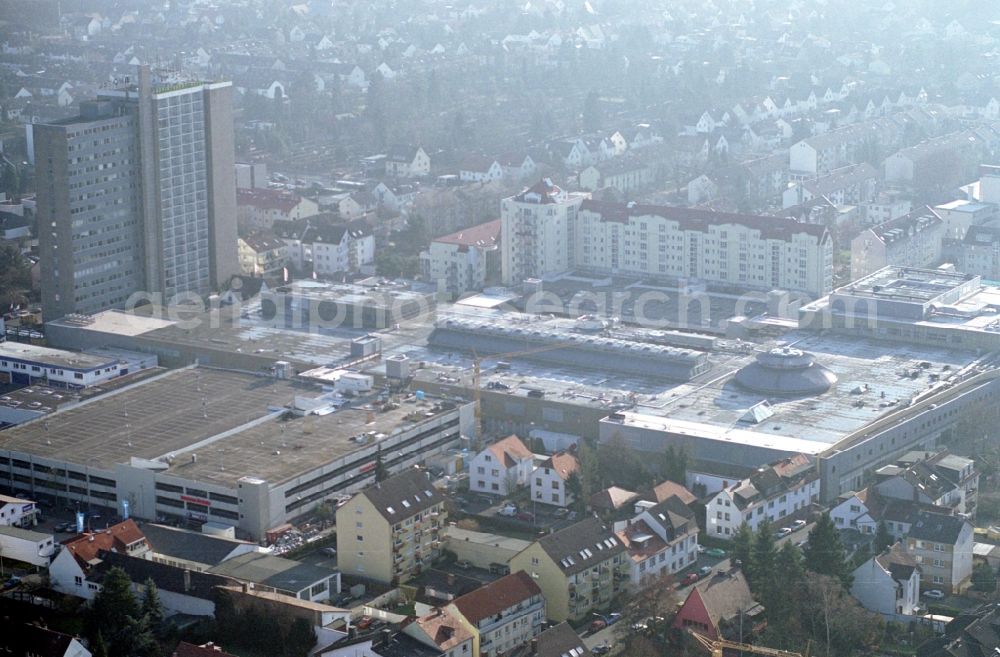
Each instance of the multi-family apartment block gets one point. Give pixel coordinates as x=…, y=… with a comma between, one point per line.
x=729, y=249
x=535, y=232
x=942, y=547
x=466, y=260
x=662, y=539
x=507, y=613
x=913, y=240
x=579, y=569
x=137, y=193
x=773, y=492
x=258, y=209
x=390, y=531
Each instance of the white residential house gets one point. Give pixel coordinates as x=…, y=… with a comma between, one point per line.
x=407, y=162
x=341, y=248
x=852, y=512
x=549, y=480
x=942, y=479
x=624, y=174
x=517, y=167
x=501, y=467
x=353, y=75
x=387, y=198
x=888, y=583
x=573, y=153
x=480, y=169
x=68, y=571
x=784, y=489
x=357, y=205
x=618, y=143
x=662, y=539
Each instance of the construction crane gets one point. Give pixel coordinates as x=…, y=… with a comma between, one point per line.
x=718, y=646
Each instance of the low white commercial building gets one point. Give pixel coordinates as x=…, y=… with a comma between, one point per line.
x=28, y=363
x=28, y=546
x=17, y=512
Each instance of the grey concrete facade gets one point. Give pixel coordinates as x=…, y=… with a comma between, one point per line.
x=89, y=220
x=137, y=194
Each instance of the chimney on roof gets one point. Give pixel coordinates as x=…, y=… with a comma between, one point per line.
x=451, y=579
x=187, y=580
x=386, y=636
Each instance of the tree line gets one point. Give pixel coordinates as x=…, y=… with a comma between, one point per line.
x=806, y=592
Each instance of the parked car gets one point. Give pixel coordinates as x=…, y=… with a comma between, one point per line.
x=330, y=551
x=690, y=578
x=718, y=553
x=935, y=594
x=643, y=625
x=701, y=549
x=604, y=621
x=783, y=532
x=526, y=516
x=601, y=649
x=364, y=623
x=704, y=570
x=508, y=511
x=799, y=524
x=11, y=583
x=464, y=564
x=561, y=512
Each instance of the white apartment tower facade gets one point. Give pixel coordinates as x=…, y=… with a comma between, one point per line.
x=537, y=232
x=681, y=243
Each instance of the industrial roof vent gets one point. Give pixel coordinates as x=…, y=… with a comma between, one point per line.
x=786, y=372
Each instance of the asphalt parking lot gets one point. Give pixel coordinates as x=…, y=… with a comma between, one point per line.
x=540, y=516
